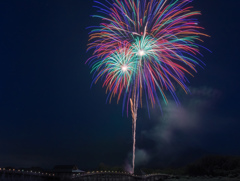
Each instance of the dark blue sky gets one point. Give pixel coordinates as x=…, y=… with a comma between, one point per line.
x=49, y=115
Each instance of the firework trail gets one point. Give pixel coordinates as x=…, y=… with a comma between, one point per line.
x=144, y=47
x=134, y=108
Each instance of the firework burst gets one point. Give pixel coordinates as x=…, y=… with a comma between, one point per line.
x=144, y=47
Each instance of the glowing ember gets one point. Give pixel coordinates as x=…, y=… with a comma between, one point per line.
x=124, y=68
x=141, y=53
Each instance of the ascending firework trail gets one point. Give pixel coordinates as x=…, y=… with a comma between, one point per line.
x=141, y=48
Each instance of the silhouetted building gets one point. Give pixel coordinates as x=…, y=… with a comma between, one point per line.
x=67, y=171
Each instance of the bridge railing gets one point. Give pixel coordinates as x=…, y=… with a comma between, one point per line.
x=92, y=173
x=76, y=175
x=26, y=172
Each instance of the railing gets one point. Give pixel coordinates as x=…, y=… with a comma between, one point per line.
x=77, y=175
x=26, y=172
x=85, y=174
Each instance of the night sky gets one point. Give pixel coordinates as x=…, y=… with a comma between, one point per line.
x=49, y=115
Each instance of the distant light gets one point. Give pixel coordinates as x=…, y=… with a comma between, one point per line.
x=124, y=68
x=141, y=53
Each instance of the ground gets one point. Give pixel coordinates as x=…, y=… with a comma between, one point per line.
x=205, y=179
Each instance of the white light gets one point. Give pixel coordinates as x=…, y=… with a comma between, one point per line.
x=141, y=53
x=124, y=68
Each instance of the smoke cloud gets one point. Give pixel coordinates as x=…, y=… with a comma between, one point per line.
x=179, y=128
x=142, y=157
